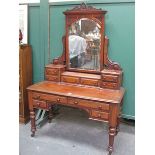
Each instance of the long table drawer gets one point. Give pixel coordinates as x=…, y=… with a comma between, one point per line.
x=88, y=104
x=52, y=98
x=100, y=115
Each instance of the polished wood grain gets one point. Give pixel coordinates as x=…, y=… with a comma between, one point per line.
x=81, y=75
x=49, y=97
x=84, y=11
x=81, y=78
x=103, y=105
x=89, y=104
x=99, y=93
x=53, y=72
x=109, y=85
x=89, y=82
x=52, y=78
x=110, y=78
x=40, y=104
x=25, y=79
x=70, y=79
x=100, y=115
x=84, y=92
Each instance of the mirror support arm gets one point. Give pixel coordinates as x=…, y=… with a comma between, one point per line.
x=109, y=64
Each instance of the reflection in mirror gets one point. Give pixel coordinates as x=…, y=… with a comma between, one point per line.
x=84, y=45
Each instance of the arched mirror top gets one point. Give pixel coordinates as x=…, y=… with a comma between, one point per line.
x=84, y=39
x=74, y=20
x=80, y=23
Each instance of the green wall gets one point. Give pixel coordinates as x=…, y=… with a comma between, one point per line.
x=34, y=41
x=47, y=23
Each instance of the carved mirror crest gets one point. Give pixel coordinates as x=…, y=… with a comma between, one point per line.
x=84, y=38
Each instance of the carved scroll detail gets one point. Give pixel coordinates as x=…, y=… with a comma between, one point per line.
x=83, y=7
x=109, y=64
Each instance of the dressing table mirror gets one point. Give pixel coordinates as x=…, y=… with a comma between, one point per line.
x=84, y=42
x=82, y=69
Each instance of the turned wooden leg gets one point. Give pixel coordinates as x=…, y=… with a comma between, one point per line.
x=50, y=114
x=112, y=133
x=118, y=123
x=33, y=125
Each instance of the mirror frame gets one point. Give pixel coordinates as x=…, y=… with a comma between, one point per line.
x=77, y=13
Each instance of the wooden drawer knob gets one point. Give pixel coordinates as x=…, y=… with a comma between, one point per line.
x=75, y=102
x=100, y=107
x=58, y=100
x=37, y=97
x=38, y=103
x=99, y=115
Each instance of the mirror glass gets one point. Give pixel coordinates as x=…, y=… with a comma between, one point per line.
x=84, y=44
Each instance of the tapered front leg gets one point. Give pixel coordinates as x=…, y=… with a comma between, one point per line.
x=112, y=133
x=33, y=125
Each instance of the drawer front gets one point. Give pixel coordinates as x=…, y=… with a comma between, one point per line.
x=52, y=71
x=50, y=98
x=52, y=78
x=70, y=79
x=40, y=104
x=100, y=115
x=89, y=104
x=89, y=82
x=109, y=85
x=110, y=78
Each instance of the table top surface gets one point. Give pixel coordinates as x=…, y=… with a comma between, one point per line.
x=79, y=91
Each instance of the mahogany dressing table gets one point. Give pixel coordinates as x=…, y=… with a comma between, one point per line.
x=83, y=76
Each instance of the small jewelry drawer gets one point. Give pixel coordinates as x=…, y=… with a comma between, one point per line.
x=100, y=115
x=109, y=78
x=70, y=79
x=40, y=104
x=52, y=71
x=89, y=82
x=52, y=78
x=89, y=104
x=109, y=85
